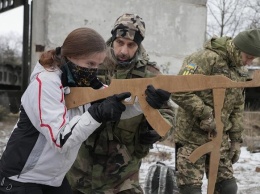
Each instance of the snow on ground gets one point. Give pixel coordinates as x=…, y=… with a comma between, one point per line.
x=246, y=170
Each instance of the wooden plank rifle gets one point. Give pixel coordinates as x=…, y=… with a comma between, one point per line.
x=171, y=83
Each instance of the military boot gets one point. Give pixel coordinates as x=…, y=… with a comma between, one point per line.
x=190, y=189
x=226, y=186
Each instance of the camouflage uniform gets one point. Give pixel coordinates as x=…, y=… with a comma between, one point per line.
x=109, y=160
x=219, y=57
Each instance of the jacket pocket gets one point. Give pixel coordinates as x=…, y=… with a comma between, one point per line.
x=126, y=129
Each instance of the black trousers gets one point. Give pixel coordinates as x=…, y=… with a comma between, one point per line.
x=8, y=186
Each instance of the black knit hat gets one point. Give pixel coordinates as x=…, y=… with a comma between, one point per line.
x=248, y=42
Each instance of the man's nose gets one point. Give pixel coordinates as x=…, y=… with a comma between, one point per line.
x=124, y=49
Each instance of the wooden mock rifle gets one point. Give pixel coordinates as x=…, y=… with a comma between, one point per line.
x=171, y=83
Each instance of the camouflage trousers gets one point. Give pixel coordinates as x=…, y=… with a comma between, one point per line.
x=129, y=191
x=192, y=173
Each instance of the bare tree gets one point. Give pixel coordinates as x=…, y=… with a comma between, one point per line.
x=11, y=48
x=226, y=17
x=254, y=17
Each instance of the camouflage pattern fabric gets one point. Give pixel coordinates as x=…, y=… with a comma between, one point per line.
x=108, y=161
x=127, y=25
x=190, y=174
x=219, y=57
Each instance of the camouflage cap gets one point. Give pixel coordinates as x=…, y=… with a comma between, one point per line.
x=248, y=42
x=130, y=26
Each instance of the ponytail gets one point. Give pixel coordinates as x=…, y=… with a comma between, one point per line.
x=51, y=59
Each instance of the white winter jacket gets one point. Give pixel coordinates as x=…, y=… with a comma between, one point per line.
x=46, y=139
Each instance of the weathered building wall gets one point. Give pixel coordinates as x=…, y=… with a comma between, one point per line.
x=174, y=28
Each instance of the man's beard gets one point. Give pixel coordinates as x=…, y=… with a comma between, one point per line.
x=124, y=60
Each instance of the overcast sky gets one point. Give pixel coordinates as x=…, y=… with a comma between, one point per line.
x=12, y=21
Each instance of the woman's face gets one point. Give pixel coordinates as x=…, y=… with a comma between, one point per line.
x=91, y=61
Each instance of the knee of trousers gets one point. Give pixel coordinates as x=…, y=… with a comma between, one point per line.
x=190, y=189
x=227, y=186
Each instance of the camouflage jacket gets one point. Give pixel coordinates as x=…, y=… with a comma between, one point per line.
x=109, y=160
x=219, y=57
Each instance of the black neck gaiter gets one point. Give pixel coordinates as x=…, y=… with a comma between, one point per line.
x=76, y=76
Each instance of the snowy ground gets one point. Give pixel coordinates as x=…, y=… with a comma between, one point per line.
x=247, y=169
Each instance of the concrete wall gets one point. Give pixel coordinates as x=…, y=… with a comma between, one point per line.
x=174, y=28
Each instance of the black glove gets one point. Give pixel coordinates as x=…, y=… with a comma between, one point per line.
x=110, y=109
x=150, y=136
x=156, y=97
x=94, y=82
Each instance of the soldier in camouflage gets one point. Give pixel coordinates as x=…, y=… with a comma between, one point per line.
x=109, y=160
x=195, y=117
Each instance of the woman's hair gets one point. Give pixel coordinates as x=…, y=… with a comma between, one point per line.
x=80, y=42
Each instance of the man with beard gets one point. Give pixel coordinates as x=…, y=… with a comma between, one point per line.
x=109, y=161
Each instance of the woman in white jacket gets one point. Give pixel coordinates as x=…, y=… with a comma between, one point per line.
x=46, y=138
